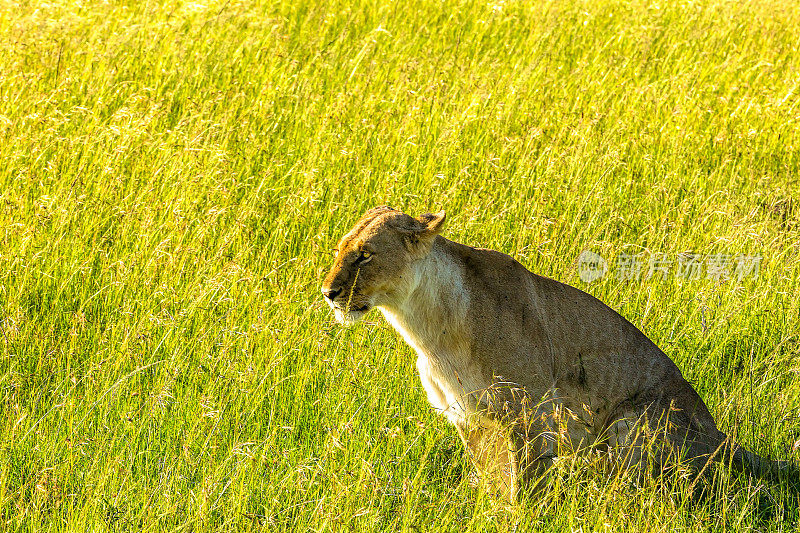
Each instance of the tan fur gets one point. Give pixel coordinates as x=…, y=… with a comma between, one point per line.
x=525, y=367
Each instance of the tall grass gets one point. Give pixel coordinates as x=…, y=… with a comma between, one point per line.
x=173, y=177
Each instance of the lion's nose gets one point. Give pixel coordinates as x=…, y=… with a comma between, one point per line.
x=331, y=294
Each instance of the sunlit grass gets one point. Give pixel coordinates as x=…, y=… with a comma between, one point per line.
x=173, y=178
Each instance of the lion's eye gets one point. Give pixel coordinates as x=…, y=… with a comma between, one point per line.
x=365, y=256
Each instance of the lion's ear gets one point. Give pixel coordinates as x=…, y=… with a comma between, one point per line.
x=420, y=239
x=433, y=222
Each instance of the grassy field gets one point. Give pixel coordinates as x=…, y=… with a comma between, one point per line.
x=174, y=176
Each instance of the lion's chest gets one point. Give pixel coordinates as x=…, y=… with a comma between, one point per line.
x=449, y=378
x=445, y=393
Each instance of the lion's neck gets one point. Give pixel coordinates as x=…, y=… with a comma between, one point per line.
x=431, y=316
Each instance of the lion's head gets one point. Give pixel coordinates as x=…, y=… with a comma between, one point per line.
x=373, y=261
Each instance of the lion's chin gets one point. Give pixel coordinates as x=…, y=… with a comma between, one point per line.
x=350, y=318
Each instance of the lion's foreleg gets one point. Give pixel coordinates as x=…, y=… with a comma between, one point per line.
x=505, y=459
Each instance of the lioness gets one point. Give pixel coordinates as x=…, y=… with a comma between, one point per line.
x=521, y=364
